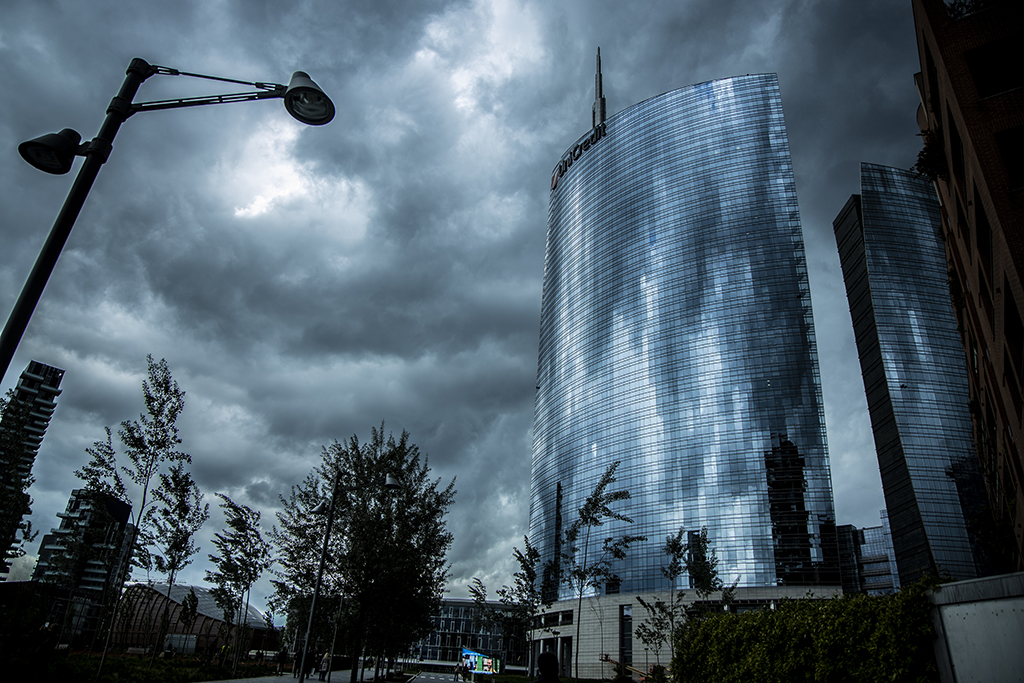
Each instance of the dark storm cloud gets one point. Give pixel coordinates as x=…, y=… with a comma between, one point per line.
x=306, y=283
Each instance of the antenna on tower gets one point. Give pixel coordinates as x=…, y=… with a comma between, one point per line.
x=599, y=104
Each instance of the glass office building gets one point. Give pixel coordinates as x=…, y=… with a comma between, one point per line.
x=677, y=337
x=867, y=561
x=915, y=373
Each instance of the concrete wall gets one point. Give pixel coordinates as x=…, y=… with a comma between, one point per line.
x=980, y=628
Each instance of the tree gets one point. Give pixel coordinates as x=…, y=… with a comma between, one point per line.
x=242, y=557
x=395, y=568
x=701, y=564
x=15, y=503
x=150, y=443
x=152, y=440
x=931, y=160
x=189, y=610
x=662, y=616
x=522, y=600
x=387, y=560
x=175, y=523
x=576, y=569
x=297, y=539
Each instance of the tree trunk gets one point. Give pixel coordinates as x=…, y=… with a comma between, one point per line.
x=239, y=633
x=579, y=612
x=162, y=625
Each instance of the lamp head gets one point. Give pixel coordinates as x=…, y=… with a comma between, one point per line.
x=306, y=101
x=53, y=152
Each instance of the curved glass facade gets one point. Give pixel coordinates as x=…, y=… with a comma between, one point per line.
x=915, y=374
x=677, y=337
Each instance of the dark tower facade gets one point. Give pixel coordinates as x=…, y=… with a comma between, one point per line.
x=915, y=375
x=21, y=432
x=90, y=548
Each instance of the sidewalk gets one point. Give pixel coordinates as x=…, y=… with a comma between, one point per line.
x=341, y=676
x=336, y=677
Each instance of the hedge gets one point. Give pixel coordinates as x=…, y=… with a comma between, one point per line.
x=850, y=639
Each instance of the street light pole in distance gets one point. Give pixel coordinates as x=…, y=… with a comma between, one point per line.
x=391, y=483
x=55, y=152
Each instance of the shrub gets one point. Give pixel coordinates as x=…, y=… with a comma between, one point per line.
x=853, y=638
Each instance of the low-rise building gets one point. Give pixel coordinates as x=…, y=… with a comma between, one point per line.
x=461, y=623
x=143, y=605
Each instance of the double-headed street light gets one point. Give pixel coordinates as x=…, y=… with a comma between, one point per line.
x=55, y=152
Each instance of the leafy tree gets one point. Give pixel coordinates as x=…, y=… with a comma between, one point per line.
x=663, y=617
x=387, y=555
x=242, y=557
x=175, y=523
x=931, y=160
x=150, y=443
x=522, y=601
x=701, y=563
x=298, y=539
x=395, y=568
x=576, y=568
x=189, y=610
x=15, y=503
x=226, y=596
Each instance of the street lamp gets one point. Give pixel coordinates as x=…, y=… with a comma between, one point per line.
x=390, y=483
x=55, y=152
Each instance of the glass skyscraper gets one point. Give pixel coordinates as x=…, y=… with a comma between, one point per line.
x=677, y=337
x=915, y=373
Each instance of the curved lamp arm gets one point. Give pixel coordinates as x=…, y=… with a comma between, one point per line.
x=303, y=98
x=54, y=153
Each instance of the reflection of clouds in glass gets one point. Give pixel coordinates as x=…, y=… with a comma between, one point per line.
x=677, y=337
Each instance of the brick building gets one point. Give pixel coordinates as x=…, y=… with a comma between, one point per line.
x=971, y=115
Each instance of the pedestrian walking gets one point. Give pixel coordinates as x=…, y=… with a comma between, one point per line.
x=325, y=665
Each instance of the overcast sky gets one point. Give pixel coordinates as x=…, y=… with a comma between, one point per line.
x=306, y=283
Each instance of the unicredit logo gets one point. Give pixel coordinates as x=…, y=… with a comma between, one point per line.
x=575, y=153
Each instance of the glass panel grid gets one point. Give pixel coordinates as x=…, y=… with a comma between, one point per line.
x=677, y=337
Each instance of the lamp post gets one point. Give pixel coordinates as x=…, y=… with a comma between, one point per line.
x=54, y=153
x=390, y=483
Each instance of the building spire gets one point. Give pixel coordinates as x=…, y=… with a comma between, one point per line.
x=599, y=104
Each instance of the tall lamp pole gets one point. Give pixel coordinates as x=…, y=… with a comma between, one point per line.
x=55, y=152
x=390, y=483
